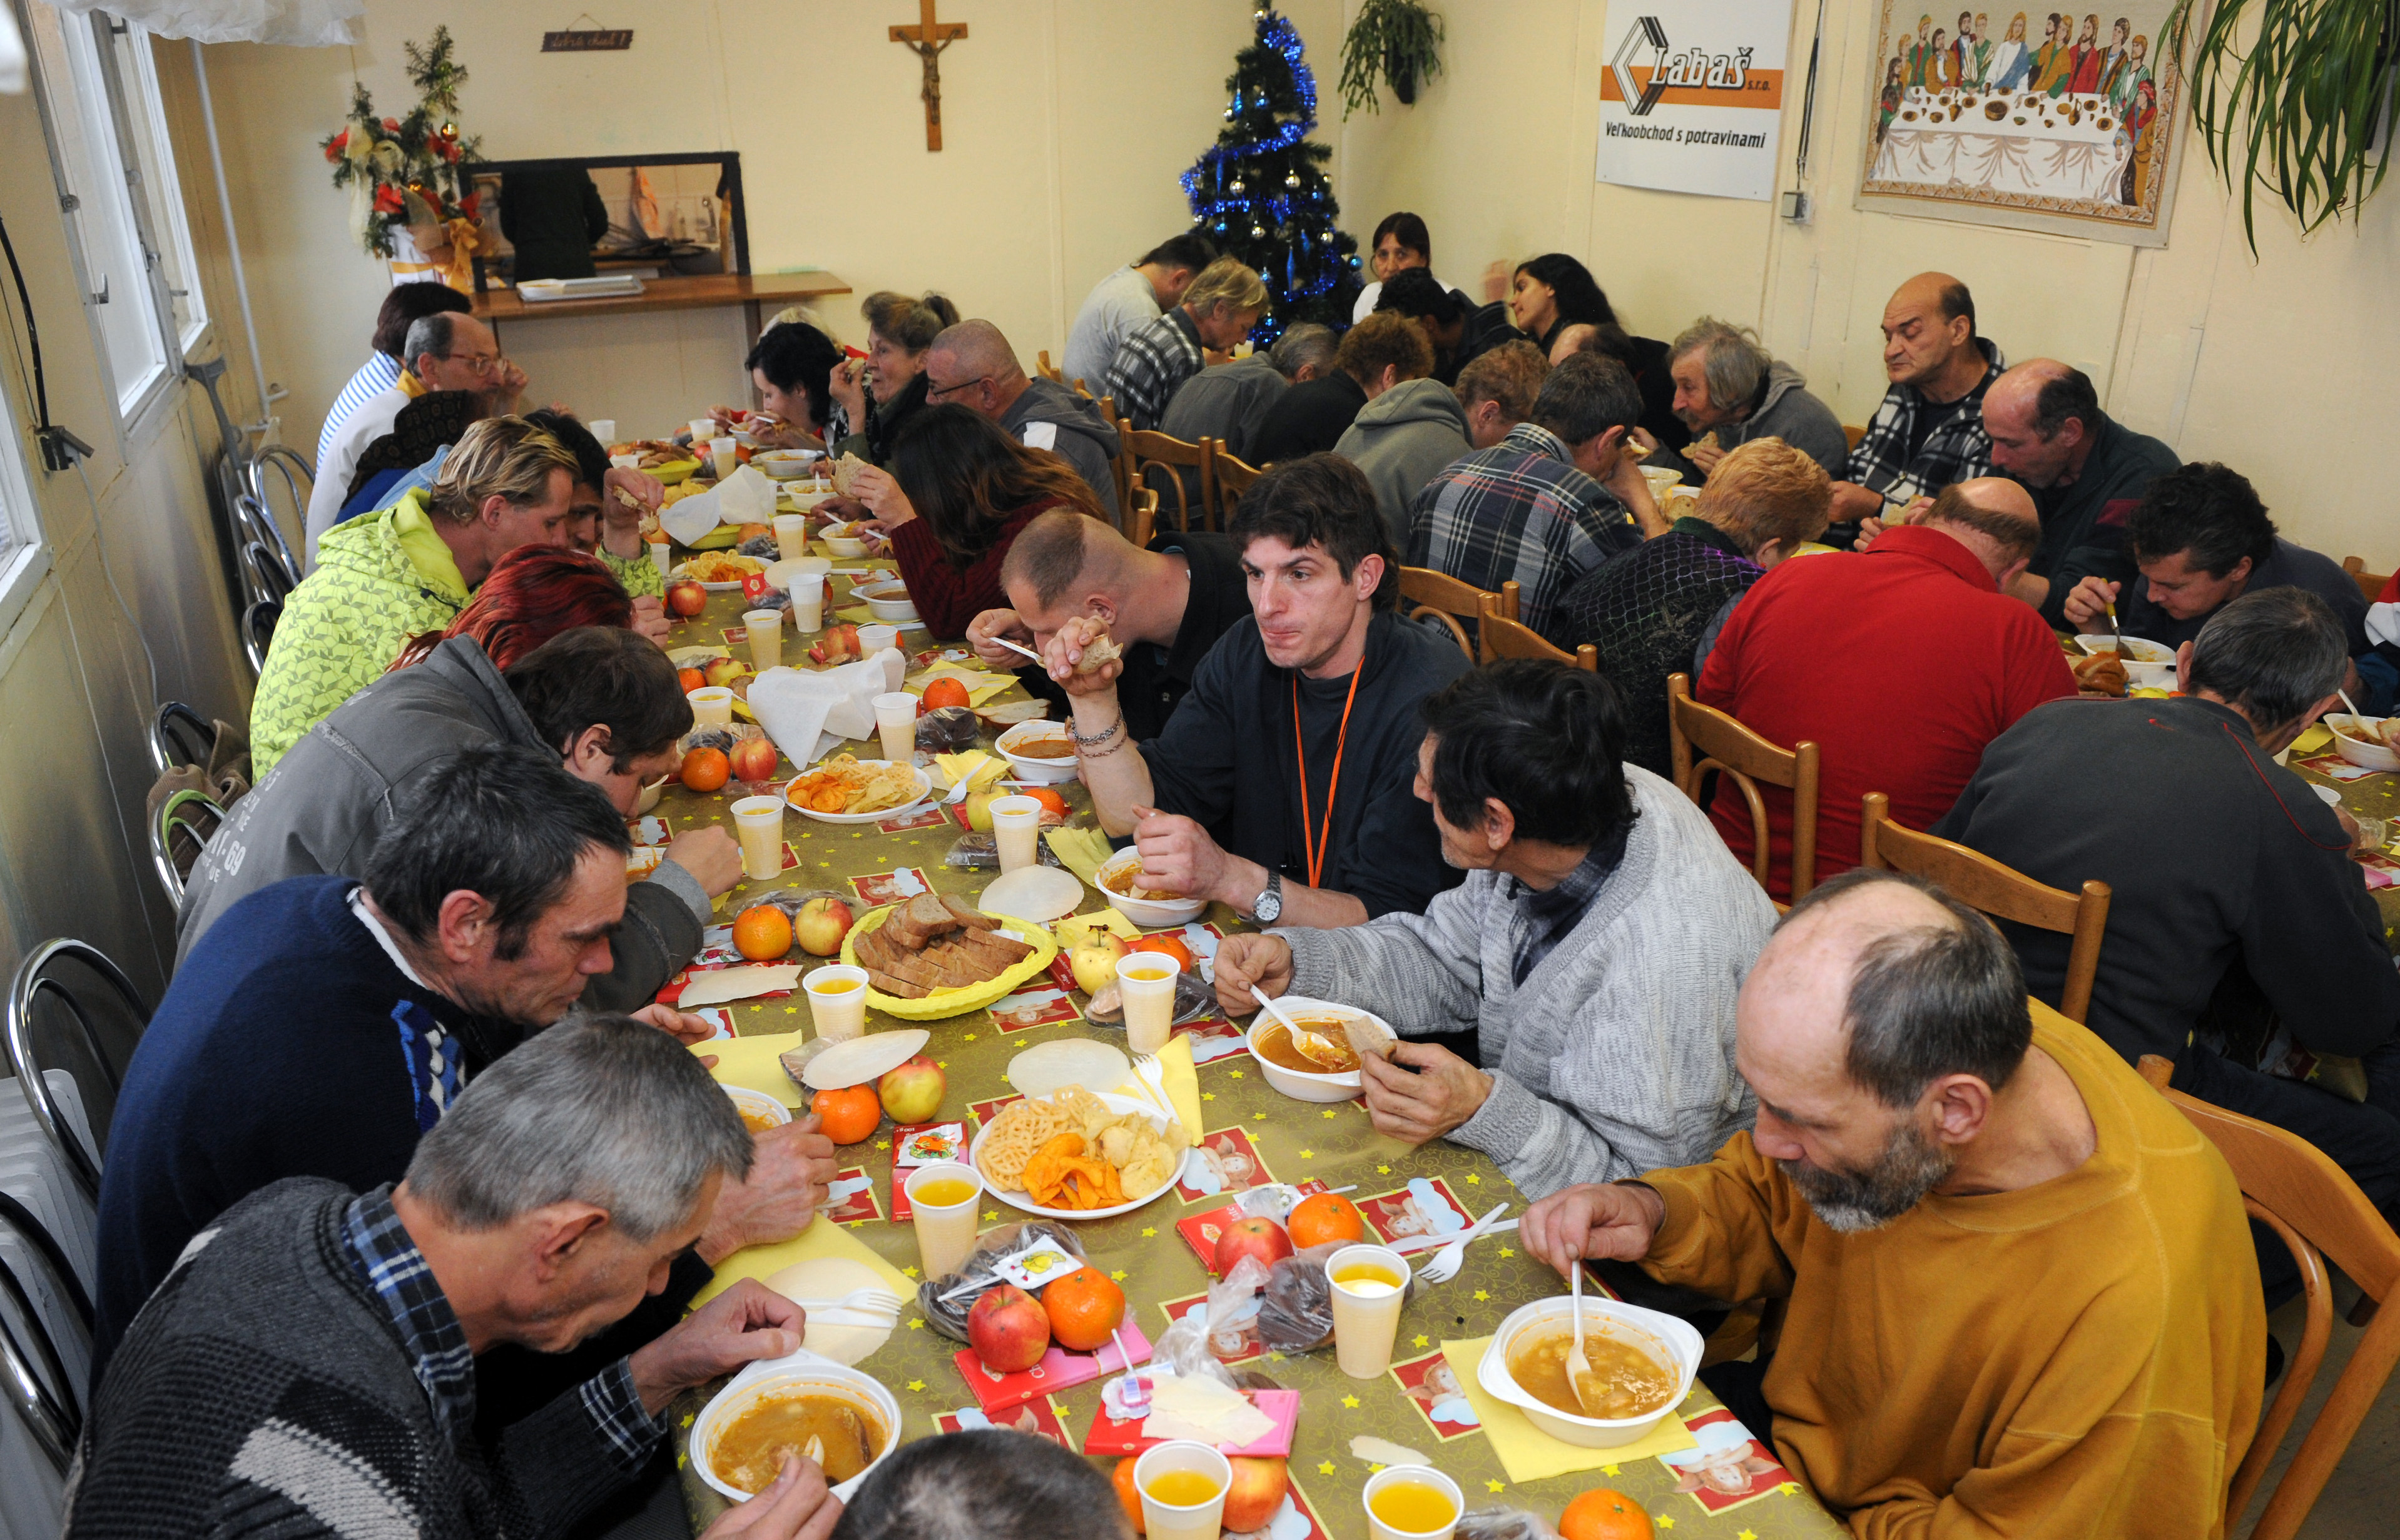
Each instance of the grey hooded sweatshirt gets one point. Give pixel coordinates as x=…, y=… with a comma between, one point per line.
x=327, y=801
x=1786, y=411
x=1049, y=416
x=1404, y=439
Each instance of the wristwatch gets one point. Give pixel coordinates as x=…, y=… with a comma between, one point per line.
x=1268, y=907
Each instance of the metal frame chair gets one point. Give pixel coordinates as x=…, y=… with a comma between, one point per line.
x=35, y=1383
x=1729, y=748
x=170, y=744
x=258, y=632
x=33, y=981
x=1984, y=884
x=179, y=811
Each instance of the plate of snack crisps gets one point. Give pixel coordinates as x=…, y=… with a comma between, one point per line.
x=1077, y=1154
x=847, y=790
x=718, y=571
x=937, y=956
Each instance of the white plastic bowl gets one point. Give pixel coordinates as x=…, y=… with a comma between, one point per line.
x=758, y=1104
x=1148, y=913
x=648, y=797
x=803, y=1371
x=784, y=465
x=1041, y=772
x=889, y=601
x=845, y=548
x=1305, y=1085
x=2365, y=756
x=1663, y=1336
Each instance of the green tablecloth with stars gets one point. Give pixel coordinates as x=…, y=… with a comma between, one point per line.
x=1290, y=1141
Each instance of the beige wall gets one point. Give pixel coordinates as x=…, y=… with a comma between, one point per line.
x=2264, y=365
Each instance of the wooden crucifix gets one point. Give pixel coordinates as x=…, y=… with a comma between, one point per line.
x=929, y=37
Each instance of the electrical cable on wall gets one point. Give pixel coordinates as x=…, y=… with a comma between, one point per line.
x=59, y=445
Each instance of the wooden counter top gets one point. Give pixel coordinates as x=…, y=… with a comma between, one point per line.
x=699, y=292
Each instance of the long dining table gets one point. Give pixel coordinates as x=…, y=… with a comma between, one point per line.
x=1719, y=1486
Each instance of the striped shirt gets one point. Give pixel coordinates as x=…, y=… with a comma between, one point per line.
x=1152, y=360
x=1519, y=510
x=376, y=375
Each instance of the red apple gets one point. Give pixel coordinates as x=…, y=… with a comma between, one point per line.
x=839, y=645
x=1255, y=1236
x=1008, y=1329
x=754, y=759
x=913, y=1092
x=685, y=597
x=820, y=926
x=1257, y=1492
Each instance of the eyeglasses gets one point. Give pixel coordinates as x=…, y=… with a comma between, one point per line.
x=932, y=390
x=477, y=364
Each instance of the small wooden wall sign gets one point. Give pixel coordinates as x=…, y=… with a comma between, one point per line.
x=587, y=42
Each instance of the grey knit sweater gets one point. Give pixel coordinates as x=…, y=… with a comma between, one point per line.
x=263, y=1391
x=1616, y=1055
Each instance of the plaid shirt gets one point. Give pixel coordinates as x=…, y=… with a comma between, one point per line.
x=436, y=1343
x=1957, y=450
x=1151, y=362
x=1519, y=510
x=1549, y=914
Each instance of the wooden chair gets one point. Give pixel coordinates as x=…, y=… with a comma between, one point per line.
x=1146, y=451
x=1233, y=476
x=2370, y=583
x=1043, y=366
x=1853, y=432
x=2294, y=1189
x=1982, y=883
x=1732, y=749
x=1425, y=591
x=1502, y=637
x=1117, y=462
x=1141, y=517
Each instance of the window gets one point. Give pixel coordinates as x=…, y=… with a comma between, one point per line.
x=23, y=557
x=124, y=208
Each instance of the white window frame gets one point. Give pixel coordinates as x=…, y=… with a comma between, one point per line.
x=25, y=559
x=142, y=123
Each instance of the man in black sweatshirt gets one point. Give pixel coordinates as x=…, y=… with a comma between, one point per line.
x=2222, y=865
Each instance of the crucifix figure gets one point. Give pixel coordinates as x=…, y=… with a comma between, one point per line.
x=929, y=37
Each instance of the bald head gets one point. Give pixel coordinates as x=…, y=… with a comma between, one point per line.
x=2043, y=416
x=1065, y=564
x=1993, y=517
x=1928, y=336
x=1570, y=341
x=972, y=365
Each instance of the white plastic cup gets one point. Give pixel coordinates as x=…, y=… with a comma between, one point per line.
x=662, y=556
x=766, y=636
x=946, y=1233
x=791, y=535
x=895, y=719
x=711, y=707
x=1203, y=1520
x=603, y=428
x=1145, y=981
x=808, y=602
x=1016, y=828
x=722, y=452
x=837, y=1000
x=758, y=822
x=1366, y=1316
x=875, y=638
x=1423, y=1476
x=703, y=430
x=625, y=462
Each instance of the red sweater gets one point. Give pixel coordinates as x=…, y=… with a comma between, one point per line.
x=1901, y=665
x=946, y=594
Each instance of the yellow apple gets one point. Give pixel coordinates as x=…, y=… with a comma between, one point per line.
x=722, y=671
x=979, y=810
x=1096, y=963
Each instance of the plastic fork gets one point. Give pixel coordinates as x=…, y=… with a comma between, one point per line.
x=1146, y=1065
x=857, y=1299
x=1446, y=1262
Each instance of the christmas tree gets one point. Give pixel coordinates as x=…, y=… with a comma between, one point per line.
x=1259, y=195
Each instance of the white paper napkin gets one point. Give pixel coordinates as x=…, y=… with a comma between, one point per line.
x=808, y=713
x=693, y=517
x=745, y=496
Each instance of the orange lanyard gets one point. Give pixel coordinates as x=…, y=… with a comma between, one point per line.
x=1313, y=843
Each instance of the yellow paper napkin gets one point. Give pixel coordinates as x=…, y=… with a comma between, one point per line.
x=1076, y=929
x=2316, y=737
x=824, y=1238
x=976, y=767
x=1182, y=1084
x=858, y=615
x=1084, y=852
x=750, y=1061
x=1529, y=1454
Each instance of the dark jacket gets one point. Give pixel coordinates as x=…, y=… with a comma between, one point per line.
x=352, y=769
x=884, y=420
x=1228, y=761
x=1228, y=402
x=1049, y=416
x=2287, y=565
x=2083, y=522
x=1401, y=440
x=1310, y=419
x=2233, y=861
x=553, y=218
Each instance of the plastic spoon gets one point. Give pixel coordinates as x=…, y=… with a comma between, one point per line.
x=1019, y=648
x=1580, y=1366
x=1301, y=1036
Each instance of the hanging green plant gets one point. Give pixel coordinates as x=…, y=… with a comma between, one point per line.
x=1395, y=40
x=2302, y=111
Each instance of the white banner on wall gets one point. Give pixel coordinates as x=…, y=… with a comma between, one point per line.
x=1691, y=97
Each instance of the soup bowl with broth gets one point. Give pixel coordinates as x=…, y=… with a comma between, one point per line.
x=759, y=1111
x=1297, y=1075
x=737, y=1440
x=1647, y=1360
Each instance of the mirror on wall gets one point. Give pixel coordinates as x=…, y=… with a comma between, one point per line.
x=643, y=216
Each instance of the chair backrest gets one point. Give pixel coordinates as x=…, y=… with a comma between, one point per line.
x=1234, y=477
x=281, y=482
x=1141, y=517
x=1043, y=366
x=1425, y=591
x=1147, y=451
x=1502, y=637
x=180, y=736
x=1982, y=883
x=264, y=575
x=62, y=984
x=2297, y=1191
x=258, y=632
x=1120, y=464
x=1724, y=745
x=1854, y=432
x=34, y=1377
x=185, y=825
x=2370, y=583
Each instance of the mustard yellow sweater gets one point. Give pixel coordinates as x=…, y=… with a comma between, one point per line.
x=2080, y=1357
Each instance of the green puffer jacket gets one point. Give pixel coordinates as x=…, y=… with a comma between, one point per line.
x=345, y=623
